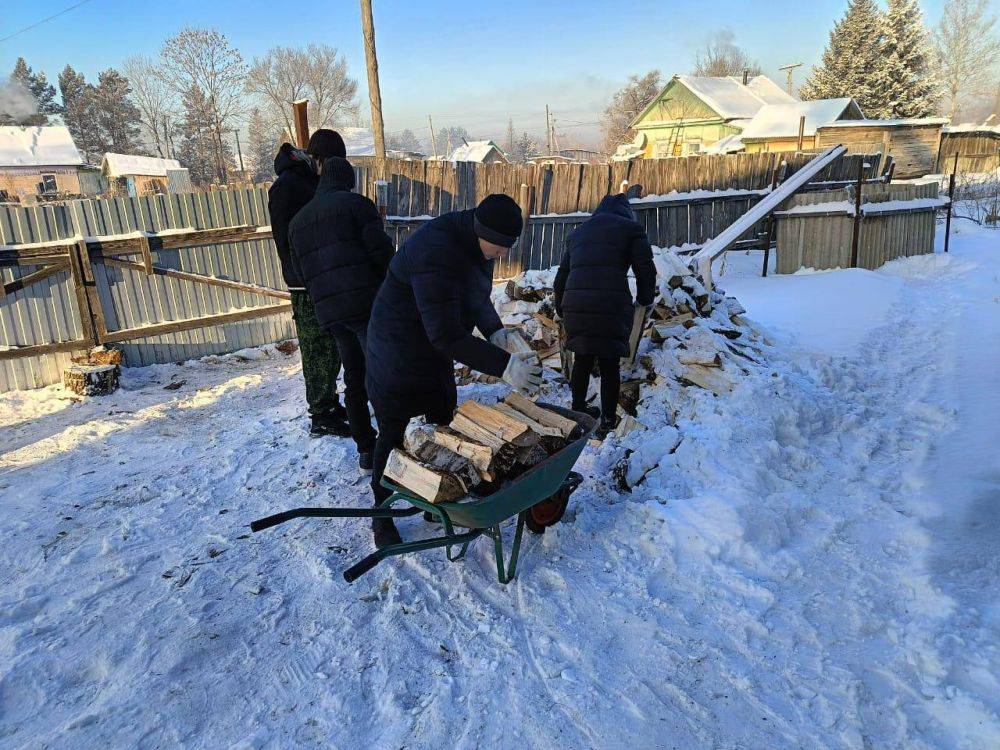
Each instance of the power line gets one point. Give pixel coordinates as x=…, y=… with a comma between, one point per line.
x=36, y=24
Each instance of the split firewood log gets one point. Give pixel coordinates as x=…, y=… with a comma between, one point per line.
x=491, y=427
x=489, y=462
x=539, y=414
x=445, y=459
x=428, y=482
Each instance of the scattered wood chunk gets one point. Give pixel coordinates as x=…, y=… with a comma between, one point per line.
x=92, y=380
x=626, y=424
x=710, y=378
x=546, y=321
x=539, y=414
x=699, y=356
x=432, y=484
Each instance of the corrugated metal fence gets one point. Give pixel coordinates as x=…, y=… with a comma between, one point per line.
x=47, y=311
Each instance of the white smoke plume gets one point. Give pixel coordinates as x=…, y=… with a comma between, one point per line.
x=16, y=102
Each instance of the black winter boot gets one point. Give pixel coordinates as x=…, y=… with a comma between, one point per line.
x=328, y=424
x=384, y=532
x=606, y=426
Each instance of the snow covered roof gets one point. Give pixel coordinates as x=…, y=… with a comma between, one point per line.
x=474, y=151
x=726, y=95
x=117, y=165
x=728, y=145
x=782, y=120
x=888, y=123
x=730, y=98
x=47, y=146
x=968, y=127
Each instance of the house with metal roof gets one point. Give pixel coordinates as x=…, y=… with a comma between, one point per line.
x=693, y=112
x=776, y=127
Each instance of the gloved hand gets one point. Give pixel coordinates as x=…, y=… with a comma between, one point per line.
x=523, y=372
x=500, y=337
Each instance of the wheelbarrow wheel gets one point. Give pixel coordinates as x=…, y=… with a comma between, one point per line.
x=550, y=511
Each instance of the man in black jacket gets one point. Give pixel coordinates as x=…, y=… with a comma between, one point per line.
x=436, y=292
x=341, y=248
x=293, y=189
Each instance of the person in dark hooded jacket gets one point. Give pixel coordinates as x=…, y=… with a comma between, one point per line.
x=436, y=292
x=294, y=187
x=592, y=296
x=342, y=251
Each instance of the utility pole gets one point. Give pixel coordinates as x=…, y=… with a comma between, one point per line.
x=239, y=150
x=434, y=144
x=788, y=69
x=548, y=130
x=374, y=93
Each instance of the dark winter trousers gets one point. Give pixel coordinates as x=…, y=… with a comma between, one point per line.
x=320, y=359
x=351, y=345
x=391, y=433
x=583, y=364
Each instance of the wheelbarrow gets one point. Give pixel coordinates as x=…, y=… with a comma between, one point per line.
x=538, y=498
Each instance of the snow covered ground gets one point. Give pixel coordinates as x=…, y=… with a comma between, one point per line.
x=816, y=565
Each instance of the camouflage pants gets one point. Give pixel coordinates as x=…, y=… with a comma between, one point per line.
x=320, y=357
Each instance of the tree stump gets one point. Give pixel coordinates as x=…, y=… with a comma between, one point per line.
x=92, y=380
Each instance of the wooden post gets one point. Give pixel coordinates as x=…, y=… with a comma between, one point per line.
x=301, y=115
x=858, y=191
x=770, y=226
x=802, y=131
x=374, y=92
x=885, y=150
x=951, y=196
x=434, y=143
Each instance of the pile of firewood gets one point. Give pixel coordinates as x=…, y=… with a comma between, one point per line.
x=94, y=374
x=481, y=448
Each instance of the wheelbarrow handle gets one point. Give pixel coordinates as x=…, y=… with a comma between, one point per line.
x=265, y=523
x=363, y=566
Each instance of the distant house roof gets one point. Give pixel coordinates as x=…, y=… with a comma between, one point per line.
x=475, y=151
x=118, y=165
x=782, y=120
x=40, y=146
x=726, y=95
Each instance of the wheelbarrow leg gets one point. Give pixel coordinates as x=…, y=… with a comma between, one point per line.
x=363, y=566
x=506, y=575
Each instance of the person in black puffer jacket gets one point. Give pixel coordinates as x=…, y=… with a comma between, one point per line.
x=592, y=296
x=293, y=189
x=436, y=292
x=342, y=251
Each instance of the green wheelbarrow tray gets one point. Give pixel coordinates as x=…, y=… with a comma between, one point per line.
x=479, y=515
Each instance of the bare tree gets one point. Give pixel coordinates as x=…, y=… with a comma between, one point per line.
x=628, y=102
x=153, y=98
x=317, y=72
x=968, y=51
x=721, y=57
x=203, y=59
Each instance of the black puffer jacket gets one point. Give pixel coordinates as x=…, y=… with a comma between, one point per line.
x=591, y=288
x=437, y=290
x=293, y=189
x=339, y=244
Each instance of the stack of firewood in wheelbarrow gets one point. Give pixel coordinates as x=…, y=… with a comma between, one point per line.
x=481, y=448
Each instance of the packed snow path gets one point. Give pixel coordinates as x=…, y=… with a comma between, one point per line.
x=817, y=565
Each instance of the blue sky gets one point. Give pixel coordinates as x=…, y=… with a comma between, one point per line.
x=467, y=63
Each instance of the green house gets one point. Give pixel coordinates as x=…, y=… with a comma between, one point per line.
x=694, y=112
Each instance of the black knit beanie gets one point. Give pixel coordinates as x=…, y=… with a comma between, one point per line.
x=498, y=220
x=326, y=143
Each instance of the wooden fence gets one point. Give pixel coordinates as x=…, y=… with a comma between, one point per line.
x=817, y=230
x=430, y=188
x=171, y=277
x=978, y=151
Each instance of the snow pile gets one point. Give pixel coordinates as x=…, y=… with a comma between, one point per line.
x=42, y=146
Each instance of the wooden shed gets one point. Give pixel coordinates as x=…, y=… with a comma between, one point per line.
x=977, y=147
x=138, y=175
x=38, y=161
x=775, y=127
x=913, y=143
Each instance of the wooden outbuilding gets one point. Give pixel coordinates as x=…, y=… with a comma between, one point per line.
x=138, y=175
x=912, y=143
x=776, y=127
x=977, y=147
x=41, y=162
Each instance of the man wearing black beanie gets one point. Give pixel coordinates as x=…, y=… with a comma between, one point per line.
x=298, y=175
x=437, y=290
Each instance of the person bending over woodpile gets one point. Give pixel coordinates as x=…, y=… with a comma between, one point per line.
x=436, y=292
x=593, y=298
x=340, y=246
x=294, y=188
